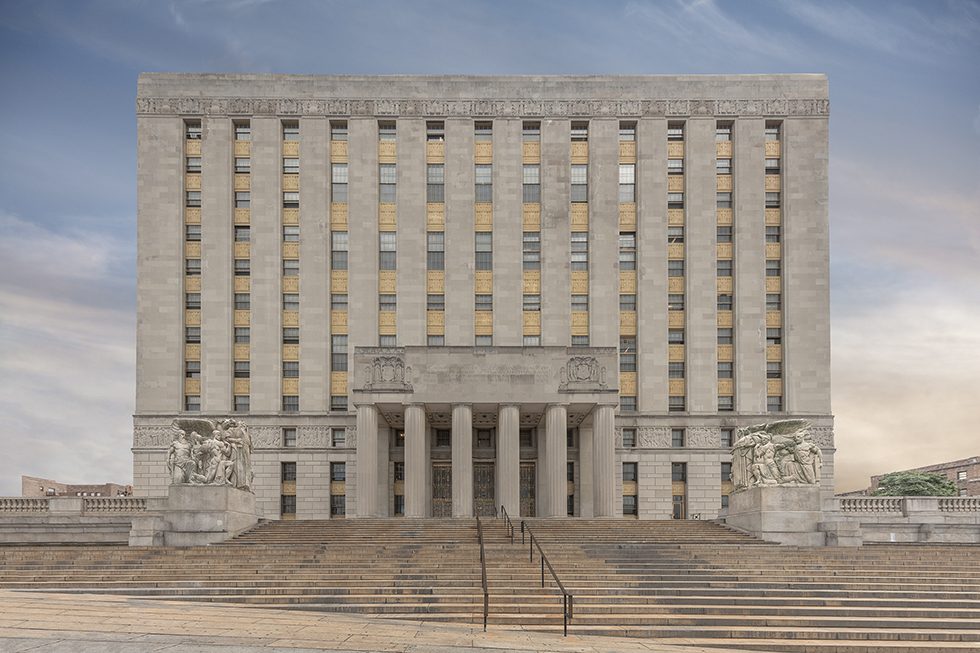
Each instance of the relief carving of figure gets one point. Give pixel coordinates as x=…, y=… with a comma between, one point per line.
x=777, y=453
x=180, y=461
x=223, y=458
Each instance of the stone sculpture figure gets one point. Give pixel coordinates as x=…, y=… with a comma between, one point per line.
x=223, y=458
x=180, y=460
x=776, y=453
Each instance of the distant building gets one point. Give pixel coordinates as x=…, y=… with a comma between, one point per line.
x=964, y=473
x=33, y=486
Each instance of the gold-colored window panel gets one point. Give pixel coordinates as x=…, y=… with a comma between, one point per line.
x=338, y=321
x=192, y=318
x=774, y=353
x=290, y=148
x=192, y=284
x=675, y=183
x=531, y=152
x=675, y=250
x=290, y=250
x=192, y=215
x=724, y=183
x=773, y=183
x=290, y=182
x=580, y=152
x=243, y=148
x=290, y=284
x=675, y=353
x=386, y=216
x=627, y=384
x=627, y=151
x=192, y=148
x=483, y=282
x=338, y=281
x=532, y=282
x=290, y=386
x=580, y=216
x=290, y=216
x=627, y=216
x=532, y=323
x=629, y=487
x=483, y=216
x=435, y=319
x=773, y=217
x=627, y=323
x=483, y=152
x=243, y=318
x=725, y=216
x=242, y=352
x=774, y=284
x=242, y=250
x=435, y=152
x=386, y=323
x=676, y=387
x=192, y=386
x=725, y=251
x=483, y=323
x=338, y=151
x=192, y=250
x=290, y=318
x=774, y=319
x=580, y=323
x=243, y=284
x=192, y=182
x=242, y=386
x=338, y=216
x=774, y=387
x=288, y=488
x=387, y=280
x=675, y=319
x=773, y=149
x=675, y=150
x=774, y=250
x=243, y=182
x=725, y=353
x=435, y=216
x=290, y=352
x=532, y=217
x=675, y=217
x=192, y=352
x=725, y=284
x=675, y=284
x=580, y=282
x=436, y=329
x=338, y=488
x=387, y=151
x=242, y=216
x=338, y=383
x=723, y=149
x=726, y=387
x=724, y=318
x=435, y=282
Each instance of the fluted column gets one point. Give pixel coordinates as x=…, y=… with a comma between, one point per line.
x=556, y=452
x=367, y=460
x=415, y=472
x=508, y=490
x=604, y=461
x=462, y=460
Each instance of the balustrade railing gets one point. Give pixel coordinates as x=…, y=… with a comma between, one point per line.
x=23, y=504
x=959, y=504
x=114, y=504
x=871, y=504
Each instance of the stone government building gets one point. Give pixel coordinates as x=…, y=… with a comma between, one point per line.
x=434, y=295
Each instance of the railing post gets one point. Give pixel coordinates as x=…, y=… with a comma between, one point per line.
x=542, y=570
x=564, y=613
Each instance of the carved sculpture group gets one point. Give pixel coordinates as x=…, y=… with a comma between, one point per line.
x=777, y=453
x=222, y=457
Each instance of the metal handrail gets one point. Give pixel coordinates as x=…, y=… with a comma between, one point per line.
x=483, y=570
x=508, y=523
x=567, y=599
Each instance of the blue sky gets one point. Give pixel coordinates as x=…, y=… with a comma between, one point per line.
x=905, y=182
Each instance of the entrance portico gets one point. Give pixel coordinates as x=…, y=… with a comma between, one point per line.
x=498, y=423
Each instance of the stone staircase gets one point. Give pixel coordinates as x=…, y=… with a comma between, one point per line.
x=665, y=579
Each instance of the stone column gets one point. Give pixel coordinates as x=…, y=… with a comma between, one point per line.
x=367, y=460
x=415, y=473
x=462, y=460
x=508, y=491
x=556, y=451
x=604, y=461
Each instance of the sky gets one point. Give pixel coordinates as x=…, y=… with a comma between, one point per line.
x=904, y=182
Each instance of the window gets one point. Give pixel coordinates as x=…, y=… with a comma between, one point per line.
x=727, y=437
x=435, y=302
x=243, y=301
x=724, y=267
x=243, y=165
x=675, y=268
x=773, y=268
x=675, y=166
x=532, y=184
x=580, y=250
x=435, y=176
x=725, y=302
x=444, y=438
x=386, y=250
x=772, y=200
x=398, y=471
x=627, y=182
x=629, y=438
x=338, y=302
x=338, y=250
x=243, y=199
x=774, y=234
x=387, y=302
x=287, y=504
x=726, y=403
x=675, y=404
x=338, y=402
x=338, y=472
x=723, y=166
x=627, y=130
x=290, y=267
x=241, y=403
x=290, y=130
x=435, y=130
x=484, y=250
x=675, y=302
x=386, y=130
x=627, y=250
x=290, y=369
x=192, y=130
x=961, y=476
x=532, y=341
x=675, y=370
x=726, y=472
x=723, y=132
x=338, y=182
x=243, y=335
x=774, y=302
x=193, y=164
x=725, y=370
x=629, y=472
x=483, y=438
x=570, y=467
x=338, y=437
x=580, y=183
x=483, y=341
x=387, y=182
x=290, y=233
x=774, y=336
x=772, y=131
x=724, y=234
x=772, y=166
x=338, y=504
x=483, y=130
x=526, y=438
x=192, y=233
x=484, y=302
x=678, y=471
x=484, y=183
x=677, y=437
x=580, y=131
x=725, y=336
x=675, y=336
x=338, y=130
x=580, y=303
x=580, y=341
x=192, y=369
x=675, y=235
x=290, y=403
x=531, y=131
x=193, y=199
x=290, y=301
x=774, y=404
x=289, y=436
x=774, y=370
x=723, y=200
x=435, y=341
x=627, y=302
x=532, y=302
x=629, y=504
x=290, y=336
x=192, y=301
x=290, y=166
x=290, y=200
x=675, y=131
x=338, y=353
x=192, y=267
x=675, y=200
x=387, y=341
x=627, y=353
x=627, y=404
x=192, y=403
x=288, y=472
x=243, y=233
x=532, y=250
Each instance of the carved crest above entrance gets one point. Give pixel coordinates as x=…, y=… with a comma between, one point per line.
x=582, y=373
x=388, y=373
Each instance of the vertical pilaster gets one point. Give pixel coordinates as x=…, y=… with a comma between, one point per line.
x=603, y=232
x=507, y=234
x=367, y=461
x=410, y=214
x=385, y=436
x=508, y=491
x=556, y=234
x=604, y=460
x=415, y=457
x=460, y=239
x=314, y=250
x=585, y=486
x=462, y=460
x=555, y=483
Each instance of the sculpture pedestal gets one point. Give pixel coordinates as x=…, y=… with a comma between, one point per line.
x=786, y=514
x=194, y=515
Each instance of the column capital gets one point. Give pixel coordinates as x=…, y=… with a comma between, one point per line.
x=509, y=405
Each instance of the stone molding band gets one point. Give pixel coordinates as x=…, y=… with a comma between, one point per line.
x=516, y=108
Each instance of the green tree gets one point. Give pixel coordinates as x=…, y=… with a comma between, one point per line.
x=915, y=484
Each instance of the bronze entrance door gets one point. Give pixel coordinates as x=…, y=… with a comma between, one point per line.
x=527, y=489
x=442, y=490
x=483, y=489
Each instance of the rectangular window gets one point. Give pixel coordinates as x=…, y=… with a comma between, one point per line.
x=675, y=302
x=580, y=303
x=290, y=403
x=726, y=404
x=627, y=353
x=290, y=130
x=725, y=370
x=192, y=301
x=675, y=370
x=675, y=166
x=580, y=131
x=725, y=302
x=338, y=437
x=193, y=199
x=338, y=505
x=192, y=369
x=580, y=341
x=192, y=267
x=629, y=438
x=287, y=504
x=338, y=472
x=627, y=302
x=678, y=471
x=387, y=183
x=483, y=341
x=532, y=184
x=724, y=267
x=772, y=131
x=532, y=341
x=675, y=336
x=526, y=438
x=338, y=353
x=290, y=166
x=725, y=336
x=774, y=370
x=444, y=438
x=435, y=302
x=580, y=183
x=192, y=233
x=627, y=404
x=727, y=438
x=386, y=130
x=193, y=164
x=387, y=302
x=774, y=336
x=483, y=130
x=773, y=268
x=338, y=130
x=627, y=250
x=726, y=472
x=675, y=200
x=531, y=131
x=723, y=200
x=290, y=267
x=484, y=302
x=772, y=166
x=338, y=302
x=243, y=165
x=675, y=235
x=338, y=403
x=723, y=166
x=484, y=183
x=289, y=436
x=723, y=132
x=677, y=437
x=570, y=467
x=387, y=341
x=243, y=199
x=774, y=404
x=243, y=335
x=774, y=302
x=580, y=250
x=772, y=200
x=192, y=403
x=290, y=200
x=243, y=301
x=243, y=233
x=435, y=130
x=290, y=369
x=483, y=438
x=629, y=504
x=398, y=471
x=484, y=250
x=435, y=179
x=532, y=250
x=338, y=182
x=961, y=476
x=532, y=303
x=774, y=234
x=675, y=268
x=290, y=233
x=627, y=130
x=435, y=341
x=386, y=250
x=290, y=335
x=192, y=130
x=627, y=182
x=288, y=472
x=338, y=250
x=675, y=131
x=724, y=234
x=629, y=472
x=675, y=404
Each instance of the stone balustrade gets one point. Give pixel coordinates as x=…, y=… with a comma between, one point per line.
x=114, y=504
x=76, y=505
x=23, y=504
x=906, y=505
x=870, y=504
